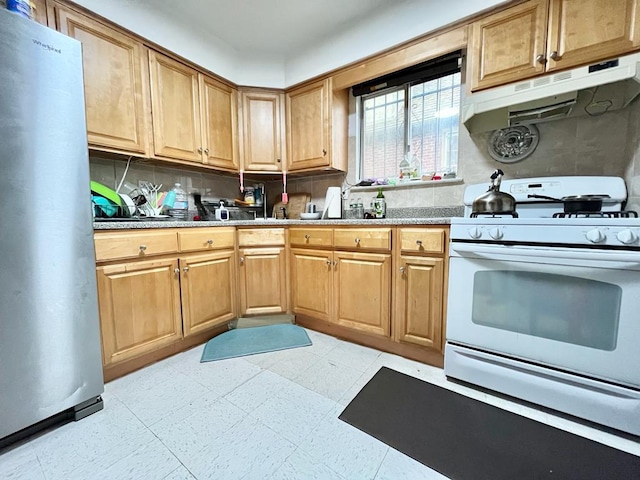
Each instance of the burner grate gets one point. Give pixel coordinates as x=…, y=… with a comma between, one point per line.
x=621, y=214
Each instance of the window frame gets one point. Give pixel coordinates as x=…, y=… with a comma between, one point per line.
x=360, y=111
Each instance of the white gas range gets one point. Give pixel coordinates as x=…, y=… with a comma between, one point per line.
x=544, y=307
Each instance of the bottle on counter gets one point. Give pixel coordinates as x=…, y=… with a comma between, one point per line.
x=379, y=205
x=180, y=208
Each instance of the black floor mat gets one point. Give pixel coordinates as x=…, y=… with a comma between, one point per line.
x=465, y=439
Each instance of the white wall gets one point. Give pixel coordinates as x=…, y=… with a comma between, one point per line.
x=406, y=20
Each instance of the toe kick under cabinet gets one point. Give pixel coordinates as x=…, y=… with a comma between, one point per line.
x=157, y=287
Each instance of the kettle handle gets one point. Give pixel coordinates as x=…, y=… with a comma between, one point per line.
x=496, y=178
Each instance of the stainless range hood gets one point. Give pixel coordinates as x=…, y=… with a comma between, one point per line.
x=588, y=90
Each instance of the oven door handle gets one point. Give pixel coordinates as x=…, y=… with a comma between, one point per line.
x=565, y=253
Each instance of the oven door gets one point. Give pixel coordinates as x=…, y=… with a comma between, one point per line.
x=576, y=310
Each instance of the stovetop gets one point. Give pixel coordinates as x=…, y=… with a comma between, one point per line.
x=545, y=223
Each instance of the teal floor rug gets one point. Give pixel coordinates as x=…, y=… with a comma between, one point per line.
x=249, y=341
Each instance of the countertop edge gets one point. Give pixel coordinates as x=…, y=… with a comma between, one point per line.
x=124, y=225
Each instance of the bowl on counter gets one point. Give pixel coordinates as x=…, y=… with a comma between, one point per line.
x=310, y=216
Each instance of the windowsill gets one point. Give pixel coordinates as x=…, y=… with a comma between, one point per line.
x=410, y=184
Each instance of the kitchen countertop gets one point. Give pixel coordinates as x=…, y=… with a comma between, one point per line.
x=396, y=216
x=142, y=224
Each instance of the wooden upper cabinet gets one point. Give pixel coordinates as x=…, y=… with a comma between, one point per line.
x=539, y=36
x=317, y=127
x=262, y=142
x=308, y=126
x=175, y=107
x=115, y=89
x=194, y=116
x=583, y=31
x=508, y=45
x=219, y=106
x=39, y=11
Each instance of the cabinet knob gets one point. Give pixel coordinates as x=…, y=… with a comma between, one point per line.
x=176, y=271
x=357, y=240
x=278, y=160
x=541, y=59
x=403, y=270
x=142, y=248
x=419, y=243
x=199, y=149
x=206, y=151
x=307, y=236
x=335, y=264
x=241, y=260
x=185, y=269
x=324, y=151
x=328, y=262
x=555, y=55
x=210, y=242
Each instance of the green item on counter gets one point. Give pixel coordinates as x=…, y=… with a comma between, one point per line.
x=379, y=205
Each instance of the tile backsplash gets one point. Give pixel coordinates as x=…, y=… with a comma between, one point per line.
x=605, y=145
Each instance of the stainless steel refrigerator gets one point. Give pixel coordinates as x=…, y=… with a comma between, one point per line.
x=50, y=360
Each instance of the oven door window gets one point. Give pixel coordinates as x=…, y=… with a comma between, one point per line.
x=558, y=307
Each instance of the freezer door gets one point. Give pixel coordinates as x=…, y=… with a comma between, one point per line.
x=49, y=329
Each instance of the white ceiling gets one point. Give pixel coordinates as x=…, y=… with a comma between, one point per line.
x=276, y=27
x=278, y=43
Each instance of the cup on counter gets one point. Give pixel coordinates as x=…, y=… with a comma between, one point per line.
x=311, y=208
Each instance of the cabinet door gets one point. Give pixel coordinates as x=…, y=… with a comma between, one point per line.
x=208, y=287
x=505, y=47
x=308, y=126
x=311, y=283
x=262, y=131
x=584, y=31
x=139, y=308
x=263, y=280
x=362, y=291
x=39, y=11
x=175, y=109
x=219, y=107
x=115, y=93
x=419, y=301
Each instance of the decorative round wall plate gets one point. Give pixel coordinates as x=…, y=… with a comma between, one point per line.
x=512, y=144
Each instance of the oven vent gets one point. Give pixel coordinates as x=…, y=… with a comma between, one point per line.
x=538, y=82
x=522, y=86
x=563, y=76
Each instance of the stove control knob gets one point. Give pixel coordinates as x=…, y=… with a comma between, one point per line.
x=627, y=237
x=496, y=233
x=595, y=236
x=475, y=233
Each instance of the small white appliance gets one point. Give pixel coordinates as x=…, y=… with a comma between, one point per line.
x=333, y=203
x=544, y=306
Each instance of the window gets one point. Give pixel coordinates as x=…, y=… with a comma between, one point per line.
x=415, y=119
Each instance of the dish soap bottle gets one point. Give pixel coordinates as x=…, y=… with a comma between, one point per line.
x=379, y=205
x=180, y=208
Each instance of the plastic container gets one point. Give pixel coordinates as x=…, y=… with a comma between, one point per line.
x=249, y=195
x=22, y=7
x=180, y=208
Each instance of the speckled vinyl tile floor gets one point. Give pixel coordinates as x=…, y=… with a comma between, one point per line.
x=272, y=416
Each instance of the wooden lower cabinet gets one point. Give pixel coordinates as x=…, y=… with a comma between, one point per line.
x=208, y=290
x=263, y=285
x=312, y=283
x=139, y=308
x=419, y=301
x=362, y=291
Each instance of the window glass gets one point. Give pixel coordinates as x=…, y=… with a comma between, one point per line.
x=558, y=307
x=417, y=123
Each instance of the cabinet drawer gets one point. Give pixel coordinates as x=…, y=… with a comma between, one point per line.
x=425, y=240
x=117, y=245
x=206, y=239
x=261, y=236
x=362, y=238
x=311, y=237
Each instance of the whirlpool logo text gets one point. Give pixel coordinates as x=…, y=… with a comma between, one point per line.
x=46, y=46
